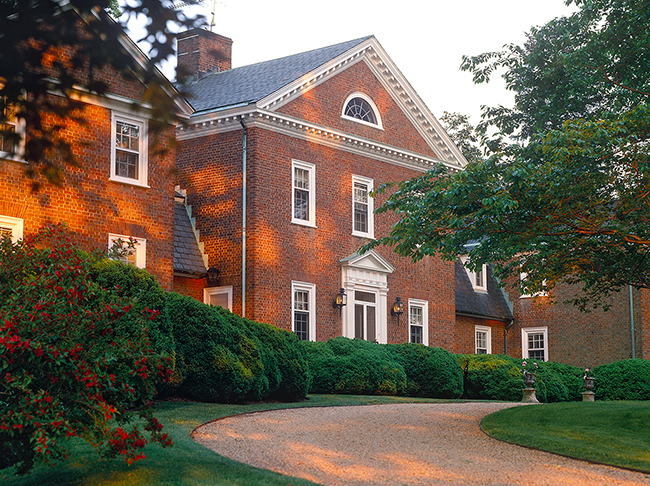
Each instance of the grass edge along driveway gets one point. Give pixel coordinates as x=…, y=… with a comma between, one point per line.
x=190, y=464
x=615, y=433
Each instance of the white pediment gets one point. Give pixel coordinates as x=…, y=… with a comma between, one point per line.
x=370, y=261
x=385, y=70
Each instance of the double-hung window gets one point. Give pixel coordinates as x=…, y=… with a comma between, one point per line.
x=534, y=343
x=303, y=196
x=303, y=305
x=482, y=340
x=362, y=207
x=418, y=321
x=133, y=256
x=129, y=149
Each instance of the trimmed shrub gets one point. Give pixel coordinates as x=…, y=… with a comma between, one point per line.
x=430, y=372
x=491, y=377
x=285, y=363
x=216, y=361
x=622, y=380
x=500, y=377
x=355, y=367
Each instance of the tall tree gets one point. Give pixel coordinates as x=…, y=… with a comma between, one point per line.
x=464, y=135
x=570, y=201
x=56, y=47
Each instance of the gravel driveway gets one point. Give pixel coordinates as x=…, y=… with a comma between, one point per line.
x=400, y=444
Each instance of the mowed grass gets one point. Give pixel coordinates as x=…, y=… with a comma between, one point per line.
x=186, y=463
x=616, y=433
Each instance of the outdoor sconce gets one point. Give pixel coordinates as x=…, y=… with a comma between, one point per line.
x=398, y=309
x=340, y=300
x=213, y=275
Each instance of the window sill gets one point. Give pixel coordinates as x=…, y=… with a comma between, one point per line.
x=130, y=182
x=301, y=222
x=363, y=122
x=12, y=158
x=363, y=235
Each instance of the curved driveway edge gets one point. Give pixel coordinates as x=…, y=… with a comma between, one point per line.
x=397, y=444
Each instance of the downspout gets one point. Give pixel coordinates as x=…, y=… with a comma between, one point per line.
x=505, y=337
x=632, y=323
x=243, y=223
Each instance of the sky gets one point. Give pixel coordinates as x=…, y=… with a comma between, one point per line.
x=425, y=38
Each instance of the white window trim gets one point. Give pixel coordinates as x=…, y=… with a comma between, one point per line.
x=425, y=318
x=311, y=168
x=488, y=331
x=140, y=248
x=19, y=154
x=367, y=98
x=371, y=215
x=15, y=224
x=524, y=340
x=143, y=159
x=207, y=292
x=472, y=276
x=306, y=287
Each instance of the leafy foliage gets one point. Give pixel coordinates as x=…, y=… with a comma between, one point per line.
x=623, y=380
x=464, y=135
x=220, y=357
x=500, y=377
x=57, y=46
x=569, y=203
x=75, y=359
x=355, y=366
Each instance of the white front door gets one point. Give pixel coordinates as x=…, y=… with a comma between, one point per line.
x=365, y=315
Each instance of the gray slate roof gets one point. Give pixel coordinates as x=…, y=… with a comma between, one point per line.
x=187, y=255
x=250, y=84
x=491, y=304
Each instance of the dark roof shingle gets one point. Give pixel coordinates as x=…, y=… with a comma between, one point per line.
x=187, y=255
x=249, y=84
x=481, y=304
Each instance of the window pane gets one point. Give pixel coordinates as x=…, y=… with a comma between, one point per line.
x=536, y=345
x=5, y=232
x=358, y=321
x=370, y=323
x=479, y=278
x=301, y=323
x=416, y=316
x=5, y=141
x=128, y=136
x=360, y=207
x=416, y=334
x=360, y=109
x=301, y=300
x=364, y=296
x=219, y=300
x=126, y=164
x=301, y=178
x=301, y=204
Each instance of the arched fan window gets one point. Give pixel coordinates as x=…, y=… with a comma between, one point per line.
x=359, y=107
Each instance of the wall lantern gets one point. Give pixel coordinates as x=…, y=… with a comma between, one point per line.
x=340, y=300
x=213, y=275
x=398, y=309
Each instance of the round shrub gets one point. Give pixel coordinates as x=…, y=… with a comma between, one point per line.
x=491, y=377
x=430, y=372
x=562, y=382
x=623, y=380
x=216, y=360
x=285, y=365
x=354, y=366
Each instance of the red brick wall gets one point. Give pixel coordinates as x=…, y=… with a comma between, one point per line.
x=576, y=338
x=192, y=287
x=93, y=206
x=279, y=251
x=202, y=50
x=210, y=168
x=324, y=105
x=465, y=337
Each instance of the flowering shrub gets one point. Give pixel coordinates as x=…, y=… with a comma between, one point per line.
x=529, y=366
x=66, y=367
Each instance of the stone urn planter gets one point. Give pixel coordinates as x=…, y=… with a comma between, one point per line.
x=588, y=395
x=529, y=391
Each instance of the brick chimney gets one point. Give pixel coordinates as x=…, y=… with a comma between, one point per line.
x=202, y=50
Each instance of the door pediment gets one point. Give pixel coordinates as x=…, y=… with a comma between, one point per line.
x=370, y=261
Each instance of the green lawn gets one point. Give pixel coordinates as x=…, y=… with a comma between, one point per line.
x=616, y=433
x=186, y=463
